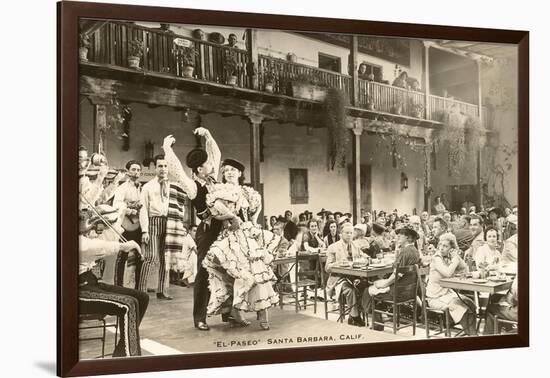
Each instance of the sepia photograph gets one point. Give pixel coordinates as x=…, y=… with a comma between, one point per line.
x=256, y=189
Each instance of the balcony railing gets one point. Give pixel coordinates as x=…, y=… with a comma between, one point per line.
x=445, y=104
x=286, y=72
x=389, y=99
x=109, y=45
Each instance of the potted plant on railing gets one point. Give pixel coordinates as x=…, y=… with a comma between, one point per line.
x=230, y=66
x=370, y=104
x=417, y=110
x=188, y=57
x=308, y=86
x=269, y=79
x=84, y=47
x=397, y=108
x=135, y=52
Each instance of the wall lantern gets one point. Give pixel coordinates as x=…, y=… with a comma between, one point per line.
x=404, y=181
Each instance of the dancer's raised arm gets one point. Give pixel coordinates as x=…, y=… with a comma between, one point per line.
x=175, y=169
x=212, y=149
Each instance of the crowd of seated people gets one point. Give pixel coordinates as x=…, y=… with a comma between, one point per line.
x=446, y=243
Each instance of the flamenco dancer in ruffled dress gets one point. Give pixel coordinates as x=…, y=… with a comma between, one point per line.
x=238, y=263
x=240, y=277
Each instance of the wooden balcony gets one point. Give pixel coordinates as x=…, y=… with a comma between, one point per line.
x=109, y=46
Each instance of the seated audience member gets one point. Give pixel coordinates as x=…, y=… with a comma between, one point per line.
x=272, y=221
x=290, y=227
x=439, y=227
x=344, y=251
x=333, y=236
x=424, y=218
x=383, y=288
x=329, y=218
x=415, y=223
x=476, y=229
x=510, y=250
x=297, y=244
x=439, y=207
x=367, y=219
x=337, y=216
x=312, y=239
x=95, y=297
x=488, y=254
x=446, y=262
x=506, y=308
x=282, y=247
x=378, y=243
x=447, y=217
x=511, y=226
x=464, y=236
x=322, y=221
x=359, y=239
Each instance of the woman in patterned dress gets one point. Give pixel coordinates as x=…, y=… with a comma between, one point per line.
x=238, y=262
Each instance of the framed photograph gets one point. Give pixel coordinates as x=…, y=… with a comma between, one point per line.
x=238, y=188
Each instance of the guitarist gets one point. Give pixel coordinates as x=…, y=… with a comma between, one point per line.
x=127, y=199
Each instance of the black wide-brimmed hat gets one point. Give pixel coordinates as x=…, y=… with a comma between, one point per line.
x=234, y=163
x=338, y=213
x=497, y=210
x=322, y=212
x=378, y=228
x=407, y=230
x=196, y=157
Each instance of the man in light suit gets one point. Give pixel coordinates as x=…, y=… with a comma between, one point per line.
x=345, y=251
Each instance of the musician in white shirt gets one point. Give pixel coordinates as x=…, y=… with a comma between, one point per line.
x=152, y=218
x=127, y=200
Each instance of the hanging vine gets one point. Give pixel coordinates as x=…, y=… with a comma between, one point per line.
x=338, y=135
x=460, y=133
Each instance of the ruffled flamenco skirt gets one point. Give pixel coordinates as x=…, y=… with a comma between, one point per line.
x=240, y=274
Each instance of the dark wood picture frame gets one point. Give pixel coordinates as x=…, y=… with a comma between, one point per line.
x=69, y=13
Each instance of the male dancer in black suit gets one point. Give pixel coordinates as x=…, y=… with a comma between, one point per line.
x=205, y=164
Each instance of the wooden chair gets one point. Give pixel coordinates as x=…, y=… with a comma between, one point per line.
x=304, y=278
x=499, y=322
x=103, y=325
x=397, y=301
x=443, y=316
x=342, y=309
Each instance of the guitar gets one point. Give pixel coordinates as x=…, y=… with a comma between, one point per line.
x=131, y=222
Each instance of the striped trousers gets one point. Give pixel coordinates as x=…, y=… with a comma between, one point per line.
x=124, y=259
x=128, y=305
x=153, y=254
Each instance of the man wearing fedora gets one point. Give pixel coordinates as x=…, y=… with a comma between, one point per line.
x=205, y=164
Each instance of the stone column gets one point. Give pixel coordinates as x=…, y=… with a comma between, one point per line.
x=357, y=132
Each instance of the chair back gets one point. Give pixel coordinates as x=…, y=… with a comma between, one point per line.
x=405, y=287
x=308, y=272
